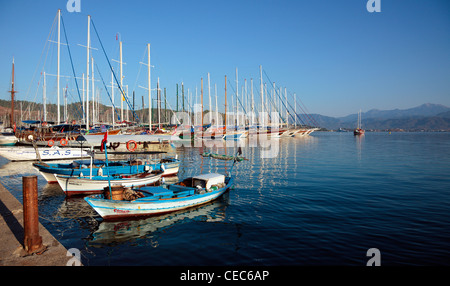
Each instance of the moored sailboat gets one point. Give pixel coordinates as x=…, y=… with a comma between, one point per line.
x=358, y=130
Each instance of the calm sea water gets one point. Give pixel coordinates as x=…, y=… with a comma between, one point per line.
x=323, y=200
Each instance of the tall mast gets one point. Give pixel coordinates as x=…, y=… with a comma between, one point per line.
x=202, y=100
x=177, y=97
x=112, y=97
x=209, y=96
x=44, y=98
x=267, y=96
x=225, y=104
x=93, y=92
x=295, y=110
x=252, y=102
x=65, y=106
x=165, y=106
x=84, y=105
x=244, y=99
x=182, y=95
x=217, y=109
x=237, y=99
x=287, y=118
x=57, y=74
x=121, y=82
x=274, y=105
x=87, y=72
x=262, y=96
x=149, y=91
x=12, y=91
x=158, y=92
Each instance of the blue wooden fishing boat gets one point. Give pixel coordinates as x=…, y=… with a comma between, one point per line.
x=146, y=201
x=78, y=168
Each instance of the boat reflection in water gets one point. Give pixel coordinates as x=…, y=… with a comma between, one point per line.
x=108, y=233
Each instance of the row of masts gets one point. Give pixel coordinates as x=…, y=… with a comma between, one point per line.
x=243, y=105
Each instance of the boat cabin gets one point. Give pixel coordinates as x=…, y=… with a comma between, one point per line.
x=204, y=181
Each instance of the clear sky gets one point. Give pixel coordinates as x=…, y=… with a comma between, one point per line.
x=335, y=55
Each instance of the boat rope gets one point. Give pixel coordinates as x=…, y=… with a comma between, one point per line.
x=114, y=74
x=107, y=92
x=314, y=122
x=276, y=92
x=33, y=103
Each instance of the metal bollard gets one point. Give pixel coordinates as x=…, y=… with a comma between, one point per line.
x=32, y=240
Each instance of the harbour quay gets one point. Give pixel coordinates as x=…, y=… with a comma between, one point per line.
x=12, y=235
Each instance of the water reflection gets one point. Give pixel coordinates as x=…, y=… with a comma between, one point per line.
x=359, y=144
x=258, y=182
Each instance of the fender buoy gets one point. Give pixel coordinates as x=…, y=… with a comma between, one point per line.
x=50, y=143
x=131, y=145
x=63, y=142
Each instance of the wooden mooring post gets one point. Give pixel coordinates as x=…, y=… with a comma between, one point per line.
x=32, y=242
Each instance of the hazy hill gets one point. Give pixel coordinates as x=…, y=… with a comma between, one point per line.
x=424, y=117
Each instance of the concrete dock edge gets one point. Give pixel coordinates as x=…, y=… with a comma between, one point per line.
x=12, y=235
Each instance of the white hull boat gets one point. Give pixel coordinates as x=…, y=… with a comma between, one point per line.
x=95, y=185
x=51, y=153
x=8, y=139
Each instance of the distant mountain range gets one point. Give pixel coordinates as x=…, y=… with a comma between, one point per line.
x=426, y=117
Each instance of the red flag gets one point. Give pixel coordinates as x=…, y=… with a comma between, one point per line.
x=117, y=36
x=104, y=141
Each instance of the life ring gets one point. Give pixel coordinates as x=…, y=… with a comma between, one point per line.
x=131, y=149
x=51, y=142
x=63, y=142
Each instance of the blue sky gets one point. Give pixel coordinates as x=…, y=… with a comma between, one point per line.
x=335, y=55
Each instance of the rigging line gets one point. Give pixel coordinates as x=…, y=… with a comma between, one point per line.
x=276, y=92
x=75, y=106
x=71, y=63
x=139, y=71
x=311, y=120
x=282, y=99
x=173, y=113
x=115, y=77
x=306, y=113
x=33, y=103
x=236, y=96
x=40, y=57
x=107, y=92
x=279, y=96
